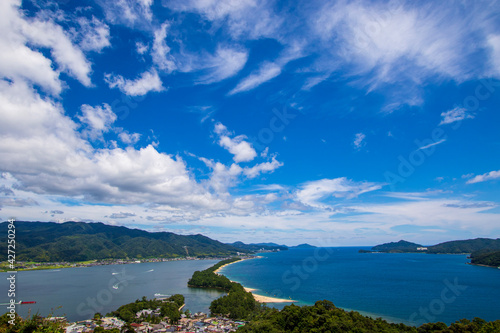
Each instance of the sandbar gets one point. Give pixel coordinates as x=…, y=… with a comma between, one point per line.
x=258, y=298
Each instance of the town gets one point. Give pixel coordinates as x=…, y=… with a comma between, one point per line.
x=198, y=322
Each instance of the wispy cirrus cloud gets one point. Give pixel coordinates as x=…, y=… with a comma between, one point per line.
x=311, y=193
x=454, y=115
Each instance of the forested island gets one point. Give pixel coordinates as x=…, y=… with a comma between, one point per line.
x=483, y=251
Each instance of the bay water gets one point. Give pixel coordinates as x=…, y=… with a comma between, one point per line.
x=411, y=288
x=78, y=293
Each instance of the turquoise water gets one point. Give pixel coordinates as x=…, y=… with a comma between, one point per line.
x=409, y=288
x=80, y=292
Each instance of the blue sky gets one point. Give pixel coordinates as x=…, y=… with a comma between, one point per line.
x=327, y=122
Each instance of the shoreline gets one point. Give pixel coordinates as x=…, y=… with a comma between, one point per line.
x=482, y=265
x=257, y=297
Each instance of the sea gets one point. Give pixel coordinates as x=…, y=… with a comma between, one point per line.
x=410, y=288
x=78, y=293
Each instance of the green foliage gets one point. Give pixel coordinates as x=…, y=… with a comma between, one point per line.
x=466, y=246
x=169, y=307
x=237, y=304
x=171, y=310
x=33, y=324
x=487, y=258
x=79, y=241
x=396, y=247
x=325, y=317
x=209, y=279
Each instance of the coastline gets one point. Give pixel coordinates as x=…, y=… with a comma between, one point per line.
x=482, y=265
x=257, y=297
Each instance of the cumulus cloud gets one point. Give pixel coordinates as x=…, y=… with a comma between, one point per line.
x=147, y=82
x=492, y=175
x=5, y=190
x=265, y=167
x=241, y=149
x=22, y=36
x=128, y=138
x=454, y=115
x=98, y=120
x=121, y=215
x=17, y=202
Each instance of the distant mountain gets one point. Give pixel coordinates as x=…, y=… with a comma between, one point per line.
x=466, y=246
x=79, y=241
x=455, y=247
x=395, y=247
x=258, y=246
x=302, y=246
x=269, y=244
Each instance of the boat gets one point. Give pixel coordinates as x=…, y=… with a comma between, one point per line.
x=161, y=295
x=115, y=286
x=20, y=303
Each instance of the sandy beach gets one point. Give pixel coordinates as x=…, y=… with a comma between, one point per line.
x=258, y=298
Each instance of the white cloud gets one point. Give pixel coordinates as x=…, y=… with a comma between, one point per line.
x=312, y=192
x=265, y=73
x=494, y=44
x=359, y=140
x=432, y=144
x=141, y=47
x=98, y=120
x=403, y=44
x=130, y=139
x=62, y=163
x=160, y=51
x=21, y=60
x=243, y=18
x=225, y=63
x=128, y=12
x=454, y=115
x=265, y=167
x=241, y=149
x=485, y=177
x=147, y=82
x=93, y=35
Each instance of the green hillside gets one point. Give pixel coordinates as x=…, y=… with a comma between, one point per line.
x=487, y=258
x=395, y=247
x=79, y=241
x=466, y=246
